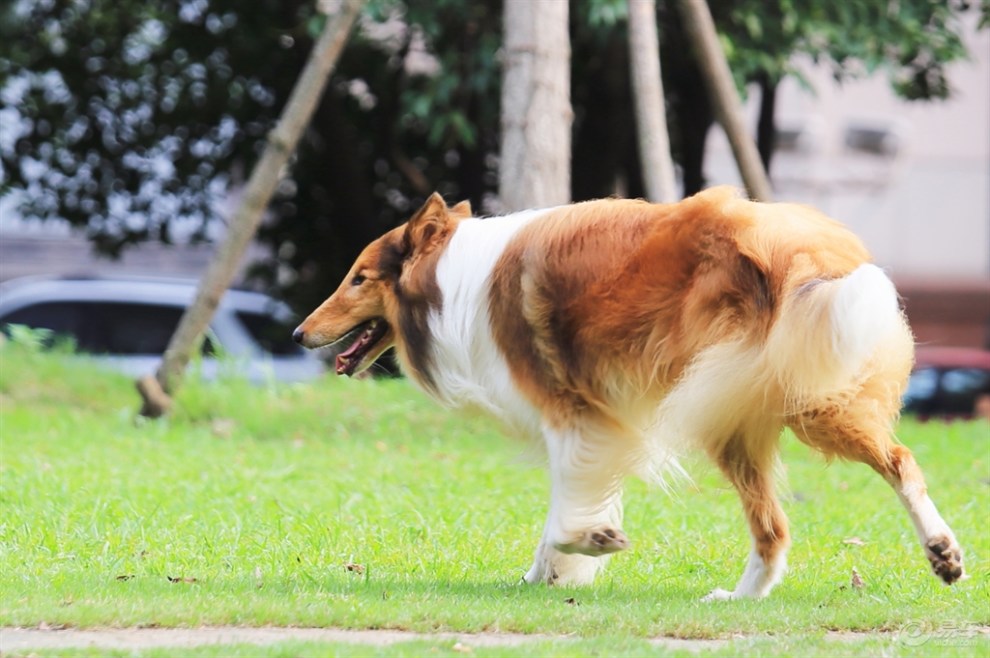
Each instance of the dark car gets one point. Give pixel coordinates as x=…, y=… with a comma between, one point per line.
x=949, y=382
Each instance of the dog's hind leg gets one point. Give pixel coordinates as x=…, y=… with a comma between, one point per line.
x=856, y=426
x=748, y=460
x=584, y=522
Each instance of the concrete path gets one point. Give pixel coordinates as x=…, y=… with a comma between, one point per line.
x=26, y=639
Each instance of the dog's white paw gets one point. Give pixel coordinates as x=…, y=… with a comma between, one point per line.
x=563, y=569
x=596, y=541
x=718, y=594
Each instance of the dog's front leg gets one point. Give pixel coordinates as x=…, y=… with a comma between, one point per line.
x=552, y=567
x=584, y=523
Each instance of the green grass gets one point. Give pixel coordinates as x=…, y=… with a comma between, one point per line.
x=248, y=504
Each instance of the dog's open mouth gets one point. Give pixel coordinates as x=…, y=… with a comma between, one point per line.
x=362, y=339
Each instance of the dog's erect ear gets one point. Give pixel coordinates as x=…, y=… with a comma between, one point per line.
x=462, y=210
x=430, y=220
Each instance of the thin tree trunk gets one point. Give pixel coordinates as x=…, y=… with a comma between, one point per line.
x=651, y=112
x=535, y=163
x=700, y=28
x=766, y=129
x=282, y=140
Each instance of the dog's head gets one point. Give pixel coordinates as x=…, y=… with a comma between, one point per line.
x=361, y=319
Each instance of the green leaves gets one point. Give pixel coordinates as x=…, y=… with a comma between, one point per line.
x=912, y=41
x=606, y=13
x=137, y=118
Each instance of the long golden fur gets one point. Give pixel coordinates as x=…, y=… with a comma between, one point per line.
x=624, y=333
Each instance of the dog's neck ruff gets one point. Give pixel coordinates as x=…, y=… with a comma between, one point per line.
x=465, y=366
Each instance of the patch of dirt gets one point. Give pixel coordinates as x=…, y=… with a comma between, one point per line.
x=18, y=640
x=22, y=640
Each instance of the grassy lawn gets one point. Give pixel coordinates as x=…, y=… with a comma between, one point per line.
x=360, y=504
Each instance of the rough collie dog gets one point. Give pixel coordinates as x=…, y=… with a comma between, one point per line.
x=622, y=333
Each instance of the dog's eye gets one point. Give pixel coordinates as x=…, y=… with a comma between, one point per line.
x=357, y=280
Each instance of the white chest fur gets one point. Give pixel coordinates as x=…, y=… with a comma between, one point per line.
x=469, y=369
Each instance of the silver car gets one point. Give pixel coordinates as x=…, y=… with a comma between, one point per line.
x=126, y=323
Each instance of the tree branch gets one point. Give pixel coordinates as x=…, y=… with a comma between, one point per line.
x=261, y=186
x=700, y=28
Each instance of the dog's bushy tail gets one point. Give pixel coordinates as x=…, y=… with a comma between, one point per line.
x=827, y=331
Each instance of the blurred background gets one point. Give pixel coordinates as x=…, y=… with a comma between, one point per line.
x=128, y=128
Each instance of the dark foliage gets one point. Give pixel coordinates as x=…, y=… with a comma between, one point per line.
x=132, y=119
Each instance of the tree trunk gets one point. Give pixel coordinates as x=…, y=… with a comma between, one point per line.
x=535, y=163
x=766, y=129
x=651, y=112
x=282, y=140
x=700, y=29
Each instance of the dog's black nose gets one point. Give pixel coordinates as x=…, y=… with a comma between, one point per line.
x=298, y=335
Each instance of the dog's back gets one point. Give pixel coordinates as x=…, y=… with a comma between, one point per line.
x=606, y=302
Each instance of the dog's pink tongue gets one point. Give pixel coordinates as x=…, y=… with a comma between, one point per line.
x=349, y=352
x=343, y=360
